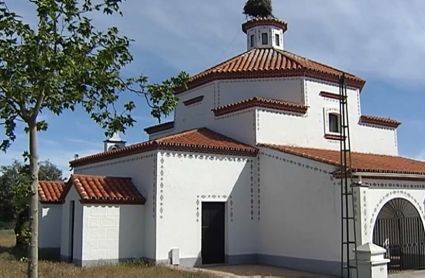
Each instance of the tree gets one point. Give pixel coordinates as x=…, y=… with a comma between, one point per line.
x=63, y=63
x=14, y=194
x=258, y=8
x=49, y=172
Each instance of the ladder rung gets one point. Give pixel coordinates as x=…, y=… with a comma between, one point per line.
x=350, y=267
x=349, y=242
x=345, y=171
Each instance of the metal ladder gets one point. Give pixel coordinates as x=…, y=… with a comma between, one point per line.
x=349, y=263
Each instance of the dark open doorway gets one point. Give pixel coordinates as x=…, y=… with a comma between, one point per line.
x=213, y=232
x=71, y=230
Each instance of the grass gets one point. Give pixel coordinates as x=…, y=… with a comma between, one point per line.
x=11, y=266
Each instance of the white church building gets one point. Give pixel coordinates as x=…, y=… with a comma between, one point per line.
x=245, y=174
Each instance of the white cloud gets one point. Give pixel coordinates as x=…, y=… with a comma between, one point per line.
x=362, y=36
x=51, y=150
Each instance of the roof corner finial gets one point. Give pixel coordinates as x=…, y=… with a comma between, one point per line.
x=115, y=137
x=258, y=8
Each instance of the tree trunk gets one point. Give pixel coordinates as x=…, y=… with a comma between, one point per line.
x=19, y=229
x=33, y=211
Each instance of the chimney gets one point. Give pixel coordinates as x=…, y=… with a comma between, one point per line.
x=113, y=143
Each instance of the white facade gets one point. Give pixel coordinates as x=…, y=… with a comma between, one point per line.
x=49, y=239
x=72, y=231
x=206, y=178
x=142, y=169
x=379, y=192
x=112, y=233
x=100, y=234
x=279, y=209
x=277, y=127
x=298, y=212
x=265, y=37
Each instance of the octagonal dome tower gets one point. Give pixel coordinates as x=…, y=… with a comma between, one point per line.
x=264, y=32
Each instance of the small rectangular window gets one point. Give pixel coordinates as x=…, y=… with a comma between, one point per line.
x=334, y=123
x=252, y=40
x=265, y=39
x=277, y=39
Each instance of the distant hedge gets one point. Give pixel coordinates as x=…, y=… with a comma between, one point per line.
x=6, y=225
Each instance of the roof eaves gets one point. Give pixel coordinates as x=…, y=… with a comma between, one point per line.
x=113, y=201
x=88, y=200
x=333, y=163
x=159, y=145
x=352, y=81
x=50, y=202
x=159, y=128
x=208, y=149
x=379, y=121
x=130, y=150
x=262, y=103
x=272, y=73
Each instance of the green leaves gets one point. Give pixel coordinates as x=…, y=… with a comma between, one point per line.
x=258, y=8
x=66, y=62
x=15, y=192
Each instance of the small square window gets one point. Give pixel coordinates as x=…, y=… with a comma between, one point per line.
x=265, y=39
x=277, y=39
x=334, y=125
x=252, y=40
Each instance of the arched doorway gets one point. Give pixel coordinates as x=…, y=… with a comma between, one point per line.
x=399, y=229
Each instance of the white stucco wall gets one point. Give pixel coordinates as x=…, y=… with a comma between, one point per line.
x=50, y=224
x=196, y=115
x=300, y=212
x=277, y=127
x=287, y=89
x=240, y=126
x=66, y=228
x=270, y=31
x=187, y=180
x=309, y=130
x=374, y=139
x=112, y=232
x=142, y=169
x=380, y=193
x=160, y=134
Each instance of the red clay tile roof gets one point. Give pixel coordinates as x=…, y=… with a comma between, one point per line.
x=387, y=122
x=361, y=162
x=270, y=63
x=260, y=102
x=261, y=21
x=50, y=191
x=105, y=190
x=193, y=100
x=330, y=95
x=158, y=128
x=200, y=140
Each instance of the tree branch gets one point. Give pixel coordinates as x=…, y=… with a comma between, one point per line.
x=12, y=104
x=37, y=106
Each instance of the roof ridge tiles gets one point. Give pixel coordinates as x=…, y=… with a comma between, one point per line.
x=270, y=63
x=367, y=162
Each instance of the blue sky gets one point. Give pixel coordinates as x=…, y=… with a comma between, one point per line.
x=383, y=44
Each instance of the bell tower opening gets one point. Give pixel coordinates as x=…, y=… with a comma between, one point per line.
x=264, y=32
x=113, y=143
